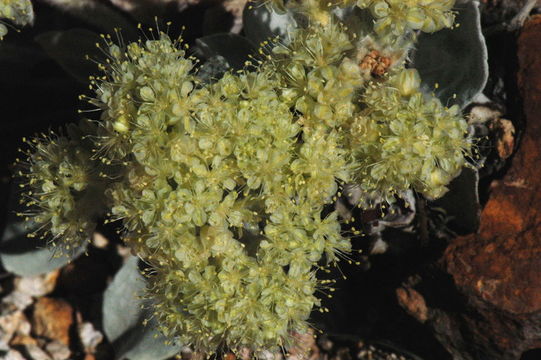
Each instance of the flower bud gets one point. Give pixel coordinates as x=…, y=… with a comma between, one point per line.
x=380, y=9
x=416, y=18
x=121, y=125
x=409, y=82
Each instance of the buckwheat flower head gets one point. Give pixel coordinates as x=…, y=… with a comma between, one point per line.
x=407, y=139
x=227, y=279
x=395, y=18
x=320, y=78
x=63, y=187
x=222, y=191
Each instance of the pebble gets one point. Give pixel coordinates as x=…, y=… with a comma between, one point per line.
x=13, y=355
x=90, y=337
x=58, y=350
x=99, y=241
x=38, y=285
x=13, y=323
x=15, y=301
x=36, y=353
x=52, y=319
x=4, y=346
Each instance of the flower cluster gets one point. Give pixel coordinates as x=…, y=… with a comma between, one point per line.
x=218, y=195
x=393, y=19
x=396, y=18
x=18, y=11
x=406, y=139
x=64, y=187
x=320, y=79
x=226, y=188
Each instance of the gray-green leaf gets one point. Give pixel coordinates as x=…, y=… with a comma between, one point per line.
x=99, y=15
x=358, y=21
x=455, y=59
x=26, y=256
x=123, y=314
x=261, y=23
x=70, y=49
x=235, y=49
x=213, y=69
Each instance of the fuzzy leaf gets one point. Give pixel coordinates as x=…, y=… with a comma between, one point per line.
x=25, y=256
x=213, y=69
x=233, y=48
x=455, y=59
x=261, y=23
x=70, y=49
x=359, y=22
x=98, y=15
x=123, y=314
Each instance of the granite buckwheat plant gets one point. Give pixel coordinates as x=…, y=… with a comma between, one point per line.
x=221, y=185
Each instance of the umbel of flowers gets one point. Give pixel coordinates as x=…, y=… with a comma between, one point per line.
x=221, y=187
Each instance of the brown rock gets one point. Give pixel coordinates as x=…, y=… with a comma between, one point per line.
x=501, y=264
x=413, y=302
x=52, y=319
x=505, y=137
x=491, y=308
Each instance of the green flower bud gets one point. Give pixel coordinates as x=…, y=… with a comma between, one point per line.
x=379, y=9
x=408, y=82
x=416, y=18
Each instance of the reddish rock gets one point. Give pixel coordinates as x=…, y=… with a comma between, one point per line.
x=501, y=264
x=505, y=137
x=491, y=308
x=52, y=319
